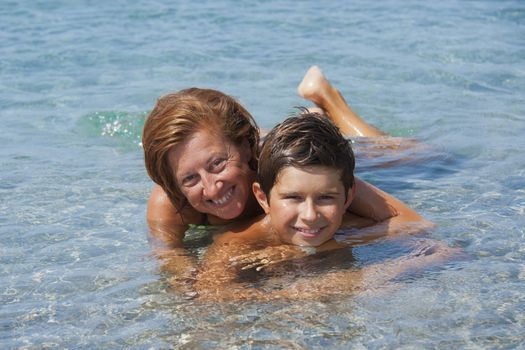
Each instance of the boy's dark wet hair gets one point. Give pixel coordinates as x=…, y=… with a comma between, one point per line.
x=302, y=140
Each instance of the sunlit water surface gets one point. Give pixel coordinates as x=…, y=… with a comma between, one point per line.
x=78, y=77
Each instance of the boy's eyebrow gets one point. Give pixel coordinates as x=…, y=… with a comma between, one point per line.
x=284, y=192
x=334, y=193
x=297, y=193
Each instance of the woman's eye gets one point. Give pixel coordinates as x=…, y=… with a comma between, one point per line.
x=189, y=180
x=217, y=164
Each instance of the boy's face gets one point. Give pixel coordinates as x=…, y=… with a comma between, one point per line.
x=306, y=205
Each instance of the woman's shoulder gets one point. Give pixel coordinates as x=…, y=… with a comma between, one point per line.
x=160, y=208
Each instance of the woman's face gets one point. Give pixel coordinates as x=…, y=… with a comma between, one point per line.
x=213, y=173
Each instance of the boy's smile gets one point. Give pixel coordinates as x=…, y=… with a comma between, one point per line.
x=306, y=205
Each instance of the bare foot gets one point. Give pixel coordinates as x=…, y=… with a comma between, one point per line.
x=313, y=85
x=316, y=88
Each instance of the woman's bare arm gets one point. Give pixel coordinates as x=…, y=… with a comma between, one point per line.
x=371, y=202
x=391, y=215
x=167, y=229
x=426, y=253
x=168, y=226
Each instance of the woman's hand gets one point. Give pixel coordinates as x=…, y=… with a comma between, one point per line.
x=260, y=259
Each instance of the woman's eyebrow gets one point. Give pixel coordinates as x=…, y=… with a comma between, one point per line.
x=215, y=155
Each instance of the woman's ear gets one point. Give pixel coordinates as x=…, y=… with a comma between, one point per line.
x=261, y=197
x=246, y=151
x=350, y=196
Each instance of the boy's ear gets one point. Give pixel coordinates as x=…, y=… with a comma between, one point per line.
x=261, y=197
x=350, y=196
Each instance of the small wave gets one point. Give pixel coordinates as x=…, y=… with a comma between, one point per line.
x=124, y=127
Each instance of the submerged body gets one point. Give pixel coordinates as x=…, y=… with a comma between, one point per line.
x=251, y=263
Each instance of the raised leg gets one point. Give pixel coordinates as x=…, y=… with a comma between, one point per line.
x=316, y=88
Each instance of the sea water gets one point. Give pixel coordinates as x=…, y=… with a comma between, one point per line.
x=78, y=77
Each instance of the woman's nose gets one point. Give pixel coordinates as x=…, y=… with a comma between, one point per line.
x=212, y=185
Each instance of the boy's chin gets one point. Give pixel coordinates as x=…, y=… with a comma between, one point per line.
x=311, y=243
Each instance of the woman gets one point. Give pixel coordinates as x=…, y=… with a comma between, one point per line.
x=200, y=149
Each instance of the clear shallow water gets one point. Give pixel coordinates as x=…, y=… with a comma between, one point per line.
x=76, y=79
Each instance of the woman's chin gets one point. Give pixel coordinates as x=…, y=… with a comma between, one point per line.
x=228, y=213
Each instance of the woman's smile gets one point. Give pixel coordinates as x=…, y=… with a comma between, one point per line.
x=224, y=199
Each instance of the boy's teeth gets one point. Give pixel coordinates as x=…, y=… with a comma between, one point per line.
x=224, y=199
x=308, y=231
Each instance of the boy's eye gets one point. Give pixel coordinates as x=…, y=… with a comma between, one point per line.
x=326, y=198
x=292, y=197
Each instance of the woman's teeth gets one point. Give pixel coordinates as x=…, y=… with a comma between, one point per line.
x=224, y=198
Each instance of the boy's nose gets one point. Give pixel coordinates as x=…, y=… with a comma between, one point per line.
x=308, y=211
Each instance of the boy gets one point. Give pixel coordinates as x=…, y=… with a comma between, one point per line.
x=303, y=184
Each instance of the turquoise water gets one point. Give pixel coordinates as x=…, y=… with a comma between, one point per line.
x=78, y=77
